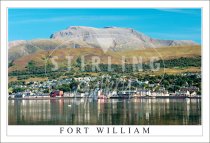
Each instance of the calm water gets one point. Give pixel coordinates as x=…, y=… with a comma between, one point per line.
x=105, y=112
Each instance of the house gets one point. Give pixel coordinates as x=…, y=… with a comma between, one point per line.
x=80, y=95
x=151, y=85
x=193, y=94
x=79, y=79
x=19, y=95
x=56, y=93
x=28, y=93
x=182, y=92
x=188, y=91
x=11, y=96
x=160, y=93
x=146, y=82
x=144, y=92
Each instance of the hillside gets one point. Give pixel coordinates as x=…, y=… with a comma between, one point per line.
x=116, y=57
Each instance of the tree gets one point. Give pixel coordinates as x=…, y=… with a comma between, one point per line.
x=78, y=62
x=11, y=63
x=18, y=89
x=46, y=91
x=31, y=66
x=73, y=85
x=10, y=90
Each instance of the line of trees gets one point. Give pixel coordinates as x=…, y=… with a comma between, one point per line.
x=33, y=70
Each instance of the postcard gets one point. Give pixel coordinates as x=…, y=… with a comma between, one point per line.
x=85, y=71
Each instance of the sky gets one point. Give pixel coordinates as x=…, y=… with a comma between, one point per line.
x=168, y=24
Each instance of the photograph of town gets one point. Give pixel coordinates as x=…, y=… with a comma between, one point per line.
x=103, y=66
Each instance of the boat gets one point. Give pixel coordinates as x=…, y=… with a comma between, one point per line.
x=148, y=97
x=102, y=97
x=121, y=95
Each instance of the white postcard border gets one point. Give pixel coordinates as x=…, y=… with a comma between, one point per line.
x=192, y=137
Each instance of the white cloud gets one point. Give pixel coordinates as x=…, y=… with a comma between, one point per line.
x=79, y=17
x=183, y=11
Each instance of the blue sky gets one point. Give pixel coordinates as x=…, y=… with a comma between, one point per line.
x=176, y=24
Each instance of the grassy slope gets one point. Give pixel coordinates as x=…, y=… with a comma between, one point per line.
x=146, y=54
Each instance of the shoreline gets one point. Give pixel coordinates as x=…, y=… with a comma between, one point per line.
x=146, y=97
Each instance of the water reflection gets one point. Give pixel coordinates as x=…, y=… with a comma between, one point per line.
x=105, y=112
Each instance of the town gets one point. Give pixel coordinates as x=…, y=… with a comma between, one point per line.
x=185, y=85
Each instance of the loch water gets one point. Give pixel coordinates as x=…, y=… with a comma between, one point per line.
x=81, y=111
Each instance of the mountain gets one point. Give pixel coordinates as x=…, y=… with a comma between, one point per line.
x=113, y=39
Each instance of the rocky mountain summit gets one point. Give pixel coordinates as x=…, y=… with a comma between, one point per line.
x=115, y=38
